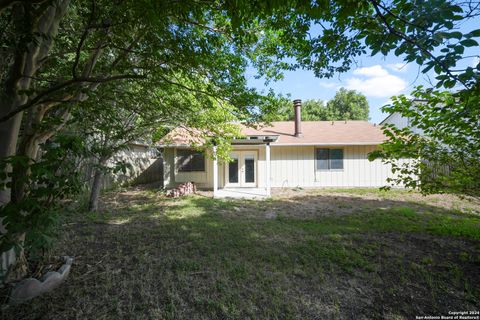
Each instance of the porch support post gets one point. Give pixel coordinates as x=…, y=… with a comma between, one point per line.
x=267, y=169
x=215, y=171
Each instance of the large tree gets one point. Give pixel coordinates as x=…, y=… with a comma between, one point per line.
x=443, y=141
x=312, y=110
x=60, y=53
x=125, y=119
x=345, y=105
x=56, y=54
x=443, y=138
x=348, y=105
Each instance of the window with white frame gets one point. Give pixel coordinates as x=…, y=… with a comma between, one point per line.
x=190, y=160
x=328, y=159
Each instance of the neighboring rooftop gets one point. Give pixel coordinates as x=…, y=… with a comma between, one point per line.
x=313, y=133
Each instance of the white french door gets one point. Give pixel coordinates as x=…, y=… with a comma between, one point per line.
x=242, y=171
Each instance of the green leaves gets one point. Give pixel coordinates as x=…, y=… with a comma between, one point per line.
x=469, y=43
x=193, y=57
x=455, y=34
x=443, y=135
x=346, y=105
x=474, y=33
x=418, y=32
x=49, y=180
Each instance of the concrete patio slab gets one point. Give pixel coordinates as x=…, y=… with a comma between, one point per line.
x=242, y=193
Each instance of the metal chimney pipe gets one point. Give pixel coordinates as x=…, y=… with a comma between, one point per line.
x=297, y=106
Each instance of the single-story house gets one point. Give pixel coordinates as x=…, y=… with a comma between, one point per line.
x=282, y=154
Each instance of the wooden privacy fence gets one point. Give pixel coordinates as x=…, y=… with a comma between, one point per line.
x=145, y=166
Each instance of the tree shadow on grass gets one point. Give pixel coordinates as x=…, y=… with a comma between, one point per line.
x=321, y=256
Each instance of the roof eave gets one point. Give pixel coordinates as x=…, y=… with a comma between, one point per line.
x=366, y=143
x=276, y=144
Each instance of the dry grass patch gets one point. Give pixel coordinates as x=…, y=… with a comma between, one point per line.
x=305, y=254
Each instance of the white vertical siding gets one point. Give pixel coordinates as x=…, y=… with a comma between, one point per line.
x=204, y=179
x=398, y=120
x=357, y=171
x=293, y=166
x=221, y=175
x=168, y=168
x=401, y=122
x=141, y=158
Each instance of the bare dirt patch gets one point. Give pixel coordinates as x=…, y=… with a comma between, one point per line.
x=338, y=201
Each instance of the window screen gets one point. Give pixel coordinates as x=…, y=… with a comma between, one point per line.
x=329, y=159
x=336, y=159
x=322, y=159
x=190, y=160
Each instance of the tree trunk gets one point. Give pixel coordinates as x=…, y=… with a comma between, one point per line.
x=9, y=132
x=27, y=147
x=28, y=59
x=32, y=136
x=96, y=188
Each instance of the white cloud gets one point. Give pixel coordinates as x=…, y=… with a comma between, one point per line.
x=328, y=85
x=375, y=81
x=398, y=67
x=373, y=71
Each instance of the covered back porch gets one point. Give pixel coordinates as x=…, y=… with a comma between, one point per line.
x=247, y=175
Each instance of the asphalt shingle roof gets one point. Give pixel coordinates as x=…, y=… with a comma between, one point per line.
x=314, y=133
x=322, y=132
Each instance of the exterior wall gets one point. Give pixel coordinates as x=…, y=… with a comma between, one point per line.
x=152, y=173
x=204, y=180
x=260, y=174
x=172, y=177
x=401, y=122
x=168, y=167
x=145, y=162
x=295, y=167
x=398, y=120
x=292, y=166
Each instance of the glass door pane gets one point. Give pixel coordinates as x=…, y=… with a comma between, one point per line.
x=233, y=171
x=249, y=169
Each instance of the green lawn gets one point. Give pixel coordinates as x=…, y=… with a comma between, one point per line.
x=347, y=254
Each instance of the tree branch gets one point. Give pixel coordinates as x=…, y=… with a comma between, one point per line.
x=401, y=18
x=38, y=98
x=187, y=88
x=5, y=4
x=82, y=40
x=126, y=50
x=64, y=116
x=411, y=41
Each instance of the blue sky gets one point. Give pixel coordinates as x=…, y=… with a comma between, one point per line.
x=378, y=78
